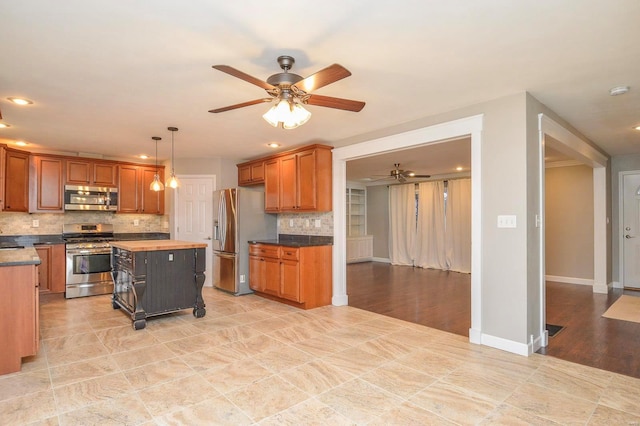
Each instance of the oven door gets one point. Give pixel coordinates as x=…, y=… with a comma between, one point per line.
x=88, y=272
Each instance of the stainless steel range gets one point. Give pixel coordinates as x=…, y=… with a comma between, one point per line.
x=88, y=251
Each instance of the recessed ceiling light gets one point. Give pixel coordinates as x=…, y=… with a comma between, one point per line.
x=20, y=101
x=4, y=125
x=459, y=169
x=637, y=127
x=619, y=90
x=21, y=143
x=144, y=157
x=273, y=145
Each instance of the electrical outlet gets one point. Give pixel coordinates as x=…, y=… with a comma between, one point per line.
x=165, y=224
x=170, y=257
x=291, y=222
x=242, y=278
x=35, y=223
x=318, y=223
x=306, y=223
x=136, y=222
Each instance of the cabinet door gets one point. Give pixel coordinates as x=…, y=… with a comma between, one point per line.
x=272, y=186
x=78, y=172
x=306, y=179
x=16, y=181
x=288, y=183
x=47, y=182
x=152, y=202
x=244, y=175
x=257, y=172
x=105, y=174
x=256, y=273
x=290, y=280
x=271, y=276
x=128, y=189
x=58, y=268
x=44, y=269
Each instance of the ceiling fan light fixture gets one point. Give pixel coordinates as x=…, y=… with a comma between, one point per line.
x=290, y=114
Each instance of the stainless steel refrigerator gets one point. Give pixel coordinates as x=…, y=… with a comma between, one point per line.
x=238, y=216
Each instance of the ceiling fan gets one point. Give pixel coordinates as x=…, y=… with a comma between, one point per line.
x=402, y=175
x=295, y=90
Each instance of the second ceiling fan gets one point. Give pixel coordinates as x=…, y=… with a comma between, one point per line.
x=291, y=91
x=402, y=175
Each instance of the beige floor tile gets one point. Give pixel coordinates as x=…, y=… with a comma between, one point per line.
x=76, y=354
x=321, y=346
x=66, y=330
x=177, y=394
x=215, y=411
x=317, y=376
x=104, y=323
x=234, y=334
x=551, y=404
x=380, y=326
x=410, y=415
x=23, y=383
x=84, y=370
x=411, y=337
x=34, y=362
x=127, y=410
x=251, y=316
x=257, y=345
x=293, y=334
x=269, y=324
x=507, y=415
x=213, y=358
x=139, y=357
x=70, y=341
x=77, y=395
x=282, y=358
x=360, y=401
x=453, y=403
x=623, y=393
x=309, y=413
x=579, y=386
x=606, y=416
x=429, y=362
x=236, y=375
x=266, y=397
x=27, y=408
x=121, y=339
x=398, y=379
x=180, y=331
x=217, y=323
x=352, y=336
x=493, y=384
x=191, y=344
x=355, y=361
x=158, y=372
x=386, y=348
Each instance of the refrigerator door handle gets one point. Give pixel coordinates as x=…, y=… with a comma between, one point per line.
x=216, y=230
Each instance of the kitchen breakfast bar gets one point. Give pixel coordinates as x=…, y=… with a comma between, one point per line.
x=155, y=277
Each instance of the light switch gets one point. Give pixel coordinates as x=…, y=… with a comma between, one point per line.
x=506, y=221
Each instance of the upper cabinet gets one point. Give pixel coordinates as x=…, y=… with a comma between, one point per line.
x=46, y=193
x=16, y=181
x=134, y=195
x=298, y=180
x=92, y=172
x=251, y=173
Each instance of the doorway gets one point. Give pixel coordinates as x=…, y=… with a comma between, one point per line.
x=630, y=229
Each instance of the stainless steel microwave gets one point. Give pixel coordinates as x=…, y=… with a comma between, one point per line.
x=78, y=197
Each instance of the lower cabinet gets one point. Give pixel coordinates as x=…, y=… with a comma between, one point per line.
x=360, y=249
x=298, y=276
x=51, y=271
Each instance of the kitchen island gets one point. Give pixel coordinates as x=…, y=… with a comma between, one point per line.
x=19, y=323
x=155, y=277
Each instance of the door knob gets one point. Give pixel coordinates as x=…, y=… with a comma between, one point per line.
x=628, y=236
x=208, y=238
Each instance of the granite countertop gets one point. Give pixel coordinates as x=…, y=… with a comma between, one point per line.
x=289, y=240
x=155, y=245
x=17, y=257
x=11, y=241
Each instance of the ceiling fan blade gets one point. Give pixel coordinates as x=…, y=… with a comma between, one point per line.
x=244, y=104
x=339, y=103
x=323, y=77
x=421, y=176
x=243, y=76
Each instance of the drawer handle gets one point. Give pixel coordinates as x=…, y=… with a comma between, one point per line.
x=289, y=253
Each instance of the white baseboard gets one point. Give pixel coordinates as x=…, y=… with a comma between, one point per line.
x=475, y=336
x=523, y=349
x=341, y=300
x=616, y=284
x=381, y=260
x=602, y=288
x=569, y=280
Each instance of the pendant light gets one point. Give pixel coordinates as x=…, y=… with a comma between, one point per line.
x=156, y=185
x=172, y=182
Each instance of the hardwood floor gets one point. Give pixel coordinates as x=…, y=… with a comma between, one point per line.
x=441, y=300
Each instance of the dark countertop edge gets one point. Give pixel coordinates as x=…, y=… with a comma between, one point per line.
x=8, y=241
x=19, y=257
x=290, y=240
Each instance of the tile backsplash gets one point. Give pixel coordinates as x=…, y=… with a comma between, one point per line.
x=13, y=223
x=305, y=223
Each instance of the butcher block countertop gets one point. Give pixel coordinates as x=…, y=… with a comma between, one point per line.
x=155, y=245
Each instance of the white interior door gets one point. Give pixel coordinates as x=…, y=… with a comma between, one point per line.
x=194, y=215
x=631, y=231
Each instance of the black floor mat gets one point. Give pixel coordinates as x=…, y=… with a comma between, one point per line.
x=553, y=329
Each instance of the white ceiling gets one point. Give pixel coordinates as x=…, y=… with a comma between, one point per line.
x=105, y=76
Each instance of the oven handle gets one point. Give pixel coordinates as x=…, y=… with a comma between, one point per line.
x=89, y=251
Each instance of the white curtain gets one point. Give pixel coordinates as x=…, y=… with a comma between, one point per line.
x=458, y=235
x=402, y=224
x=430, y=239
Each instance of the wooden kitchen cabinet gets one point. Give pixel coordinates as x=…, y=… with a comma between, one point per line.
x=51, y=271
x=251, y=173
x=88, y=172
x=134, y=195
x=272, y=185
x=298, y=276
x=46, y=193
x=16, y=181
